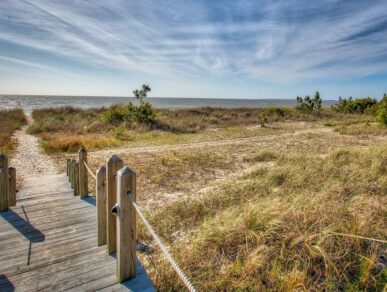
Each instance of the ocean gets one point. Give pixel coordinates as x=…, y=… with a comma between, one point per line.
x=31, y=102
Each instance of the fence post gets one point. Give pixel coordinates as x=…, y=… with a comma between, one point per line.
x=83, y=174
x=113, y=164
x=76, y=178
x=68, y=160
x=71, y=176
x=12, y=186
x=4, y=192
x=100, y=193
x=126, y=224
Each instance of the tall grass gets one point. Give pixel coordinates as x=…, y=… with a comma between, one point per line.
x=10, y=121
x=292, y=226
x=64, y=129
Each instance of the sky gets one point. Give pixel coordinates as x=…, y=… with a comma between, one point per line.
x=194, y=48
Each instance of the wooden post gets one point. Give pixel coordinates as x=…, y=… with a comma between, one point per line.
x=68, y=167
x=100, y=193
x=76, y=178
x=12, y=186
x=71, y=176
x=83, y=174
x=126, y=224
x=4, y=192
x=113, y=164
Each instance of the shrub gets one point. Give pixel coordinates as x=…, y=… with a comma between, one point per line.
x=381, y=115
x=276, y=111
x=145, y=114
x=262, y=120
x=355, y=106
x=118, y=114
x=308, y=104
x=115, y=115
x=11, y=120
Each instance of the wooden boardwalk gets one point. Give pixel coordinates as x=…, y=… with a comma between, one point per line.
x=48, y=241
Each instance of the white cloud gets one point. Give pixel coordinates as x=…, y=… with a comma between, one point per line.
x=274, y=41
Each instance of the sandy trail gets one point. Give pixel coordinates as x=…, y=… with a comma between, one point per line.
x=29, y=159
x=216, y=143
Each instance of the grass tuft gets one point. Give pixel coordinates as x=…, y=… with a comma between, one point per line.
x=10, y=121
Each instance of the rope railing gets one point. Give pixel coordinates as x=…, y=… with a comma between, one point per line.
x=163, y=248
x=115, y=190
x=89, y=170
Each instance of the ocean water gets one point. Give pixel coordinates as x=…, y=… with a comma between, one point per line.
x=31, y=102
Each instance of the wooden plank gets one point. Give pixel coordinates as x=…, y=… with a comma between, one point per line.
x=58, y=251
x=34, y=271
x=140, y=283
x=53, y=248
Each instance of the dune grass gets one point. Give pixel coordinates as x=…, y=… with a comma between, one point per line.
x=291, y=226
x=10, y=121
x=65, y=129
x=308, y=215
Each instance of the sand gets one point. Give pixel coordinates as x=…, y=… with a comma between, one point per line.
x=29, y=159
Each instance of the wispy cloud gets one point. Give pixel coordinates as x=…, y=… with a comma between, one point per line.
x=273, y=41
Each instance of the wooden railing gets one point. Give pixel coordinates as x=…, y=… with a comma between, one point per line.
x=7, y=184
x=116, y=219
x=115, y=192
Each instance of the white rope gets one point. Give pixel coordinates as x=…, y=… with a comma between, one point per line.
x=88, y=169
x=163, y=248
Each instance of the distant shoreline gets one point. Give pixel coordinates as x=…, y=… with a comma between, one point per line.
x=31, y=102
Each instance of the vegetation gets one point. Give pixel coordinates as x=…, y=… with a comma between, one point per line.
x=306, y=223
x=352, y=106
x=142, y=93
x=130, y=115
x=283, y=208
x=10, y=121
x=308, y=104
x=381, y=114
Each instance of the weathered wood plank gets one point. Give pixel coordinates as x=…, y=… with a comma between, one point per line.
x=48, y=242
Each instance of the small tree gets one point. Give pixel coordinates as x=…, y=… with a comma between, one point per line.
x=308, y=104
x=142, y=93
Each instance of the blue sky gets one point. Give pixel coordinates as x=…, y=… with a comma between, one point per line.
x=195, y=48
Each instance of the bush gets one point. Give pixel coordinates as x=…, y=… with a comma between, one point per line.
x=308, y=104
x=381, y=115
x=145, y=114
x=114, y=115
x=276, y=111
x=355, y=106
x=11, y=120
x=118, y=114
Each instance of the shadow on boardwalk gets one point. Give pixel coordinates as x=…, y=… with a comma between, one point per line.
x=23, y=226
x=5, y=284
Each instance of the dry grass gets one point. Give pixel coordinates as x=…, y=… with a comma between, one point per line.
x=362, y=129
x=10, y=121
x=278, y=228
x=173, y=126
x=54, y=143
x=273, y=211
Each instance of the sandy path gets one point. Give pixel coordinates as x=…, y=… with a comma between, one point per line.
x=216, y=143
x=29, y=160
